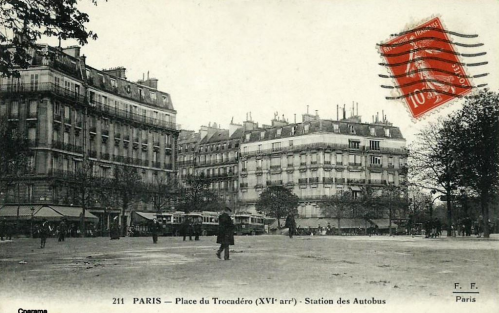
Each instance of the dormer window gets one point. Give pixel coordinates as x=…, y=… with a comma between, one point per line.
x=141, y=94
x=372, y=131
x=153, y=96
x=279, y=130
x=248, y=137
x=387, y=132
x=165, y=99
x=306, y=128
x=293, y=130
x=113, y=83
x=351, y=129
x=336, y=128
x=262, y=135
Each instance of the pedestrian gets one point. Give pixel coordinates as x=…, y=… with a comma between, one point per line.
x=62, y=230
x=155, y=230
x=225, y=233
x=198, y=228
x=9, y=230
x=45, y=230
x=3, y=225
x=187, y=228
x=115, y=229
x=291, y=225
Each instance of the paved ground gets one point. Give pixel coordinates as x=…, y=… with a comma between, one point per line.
x=398, y=270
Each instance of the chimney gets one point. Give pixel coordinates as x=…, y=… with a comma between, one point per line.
x=73, y=51
x=295, y=118
x=344, y=112
x=233, y=127
x=119, y=72
x=357, y=109
x=337, y=112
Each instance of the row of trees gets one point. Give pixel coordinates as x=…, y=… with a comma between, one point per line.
x=460, y=155
x=278, y=202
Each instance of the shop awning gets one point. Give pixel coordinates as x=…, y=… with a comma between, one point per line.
x=383, y=223
x=73, y=213
x=143, y=216
x=10, y=211
x=48, y=213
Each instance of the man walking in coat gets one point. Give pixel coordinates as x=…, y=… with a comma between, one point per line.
x=291, y=225
x=225, y=233
x=155, y=230
x=45, y=230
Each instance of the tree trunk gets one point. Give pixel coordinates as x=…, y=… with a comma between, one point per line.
x=484, y=203
x=123, y=218
x=339, y=226
x=449, y=214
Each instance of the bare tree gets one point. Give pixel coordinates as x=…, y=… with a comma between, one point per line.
x=432, y=162
x=127, y=188
x=474, y=139
x=338, y=206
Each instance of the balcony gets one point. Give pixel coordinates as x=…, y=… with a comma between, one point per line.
x=258, y=170
x=105, y=132
x=340, y=181
x=126, y=138
x=93, y=129
x=377, y=182
x=32, y=114
x=314, y=182
x=105, y=156
x=375, y=165
x=275, y=169
x=328, y=180
x=355, y=164
x=391, y=165
x=56, y=90
x=302, y=181
x=67, y=120
x=92, y=154
x=243, y=185
x=356, y=181
x=258, y=186
x=274, y=183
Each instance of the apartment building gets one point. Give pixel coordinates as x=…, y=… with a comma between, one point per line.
x=318, y=158
x=71, y=112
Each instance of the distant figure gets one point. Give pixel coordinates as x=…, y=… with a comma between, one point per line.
x=115, y=229
x=154, y=230
x=3, y=225
x=45, y=230
x=187, y=228
x=61, y=229
x=291, y=225
x=198, y=228
x=225, y=233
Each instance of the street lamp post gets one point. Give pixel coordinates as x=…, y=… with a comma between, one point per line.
x=431, y=203
x=32, y=217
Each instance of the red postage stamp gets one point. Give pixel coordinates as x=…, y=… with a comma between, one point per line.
x=425, y=67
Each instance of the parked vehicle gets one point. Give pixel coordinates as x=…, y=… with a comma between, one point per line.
x=249, y=224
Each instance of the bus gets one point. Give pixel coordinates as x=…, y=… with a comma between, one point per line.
x=208, y=220
x=171, y=222
x=249, y=224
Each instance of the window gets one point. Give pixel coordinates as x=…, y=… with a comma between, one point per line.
x=113, y=83
x=375, y=160
x=374, y=144
x=262, y=135
x=351, y=129
x=141, y=95
x=314, y=158
x=327, y=158
x=34, y=82
x=248, y=137
x=336, y=128
x=291, y=143
x=354, y=159
x=372, y=131
x=258, y=164
x=306, y=128
x=293, y=130
x=276, y=146
x=33, y=106
x=387, y=132
x=339, y=158
x=14, y=109
x=165, y=99
x=153, y=96
x=279, y=130
x=354, y=144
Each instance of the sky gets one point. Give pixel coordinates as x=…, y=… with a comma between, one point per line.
x=219, y=59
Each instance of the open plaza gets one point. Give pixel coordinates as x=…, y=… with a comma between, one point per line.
x=311, y=270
